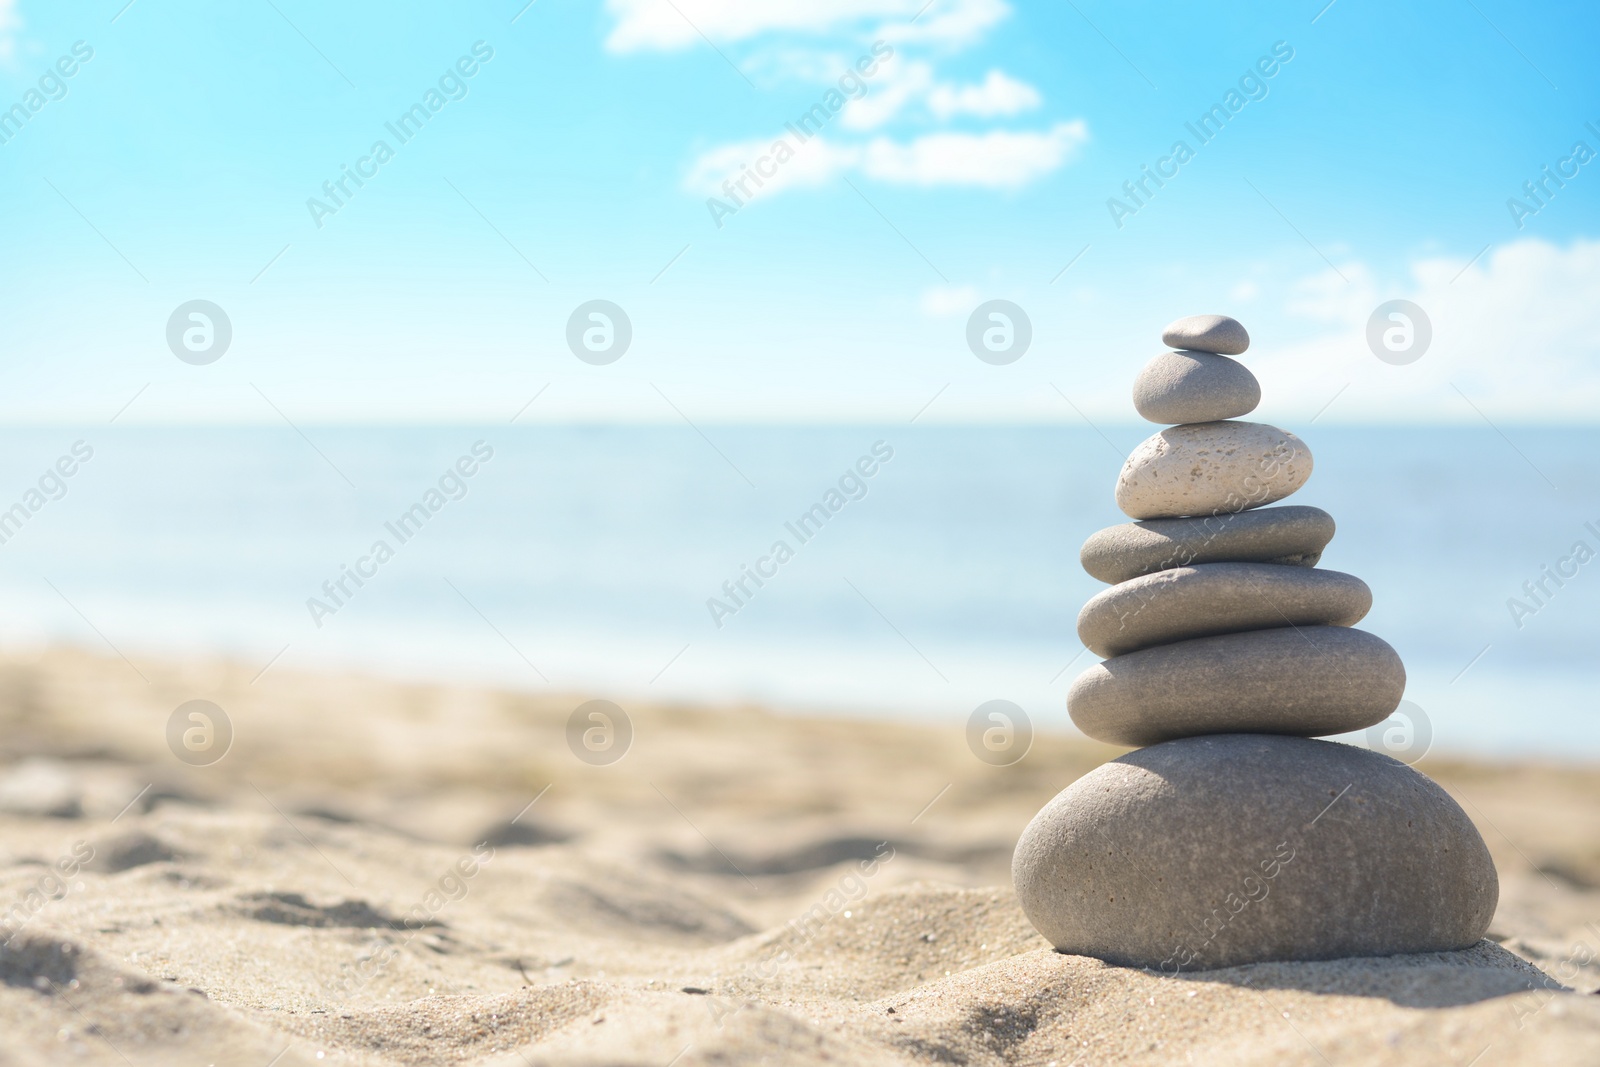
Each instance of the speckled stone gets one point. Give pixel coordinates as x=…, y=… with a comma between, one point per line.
x=1232, y=849
x=1218, y=598
x=1307, y=681
x=1195, y=387
x=1207, y=333
x=1211, y=468
x=1292, y=534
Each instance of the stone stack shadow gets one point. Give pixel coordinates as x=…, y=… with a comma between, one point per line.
x=1236, y=837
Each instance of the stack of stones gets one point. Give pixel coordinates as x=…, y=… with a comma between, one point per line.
x=1235, y=837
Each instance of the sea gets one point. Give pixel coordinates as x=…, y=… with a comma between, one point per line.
x=911, y=572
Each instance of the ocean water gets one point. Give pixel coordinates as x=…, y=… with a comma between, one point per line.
x=588, y=559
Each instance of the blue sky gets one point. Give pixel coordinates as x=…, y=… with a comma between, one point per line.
x=974, y=162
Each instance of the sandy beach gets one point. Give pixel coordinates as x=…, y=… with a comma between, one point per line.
x=390, y=873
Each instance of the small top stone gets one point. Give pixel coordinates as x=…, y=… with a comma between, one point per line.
x=1207, y=333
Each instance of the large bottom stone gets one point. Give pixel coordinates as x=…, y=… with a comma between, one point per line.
x=1301, y=680
x=1240, y=848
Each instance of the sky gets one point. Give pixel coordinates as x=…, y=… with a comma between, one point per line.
x=953, y=152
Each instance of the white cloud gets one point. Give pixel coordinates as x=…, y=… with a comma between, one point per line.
x=656, y=24
x=953, y=22
x=790, y=62
x=905, y=85
x=942, y=301
x=995, y=95
x=897, y=86
x=1346, y=295
x=1518, y=333
x=10, y=23
x=816, y=162
x=999, y=159
x=995, y=160
x=660, y=25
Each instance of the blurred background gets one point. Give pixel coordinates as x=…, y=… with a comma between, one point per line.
x=277, y=274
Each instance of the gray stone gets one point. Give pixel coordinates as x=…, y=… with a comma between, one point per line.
x=1307, y=681
x=1207, y=333
x=1211, y=468
x=1219, y=851
x=1292, y=534
x=1195, y=387
x=1218, y=598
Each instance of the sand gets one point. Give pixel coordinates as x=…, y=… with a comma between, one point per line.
x=388, y=873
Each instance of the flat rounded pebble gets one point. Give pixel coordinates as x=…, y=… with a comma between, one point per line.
x=1233, y=849
x=1292, y=534
x=1195, y=387
x=1306, y=681
x=1211, y=468
x=1218, y=598
x=1207, y=333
